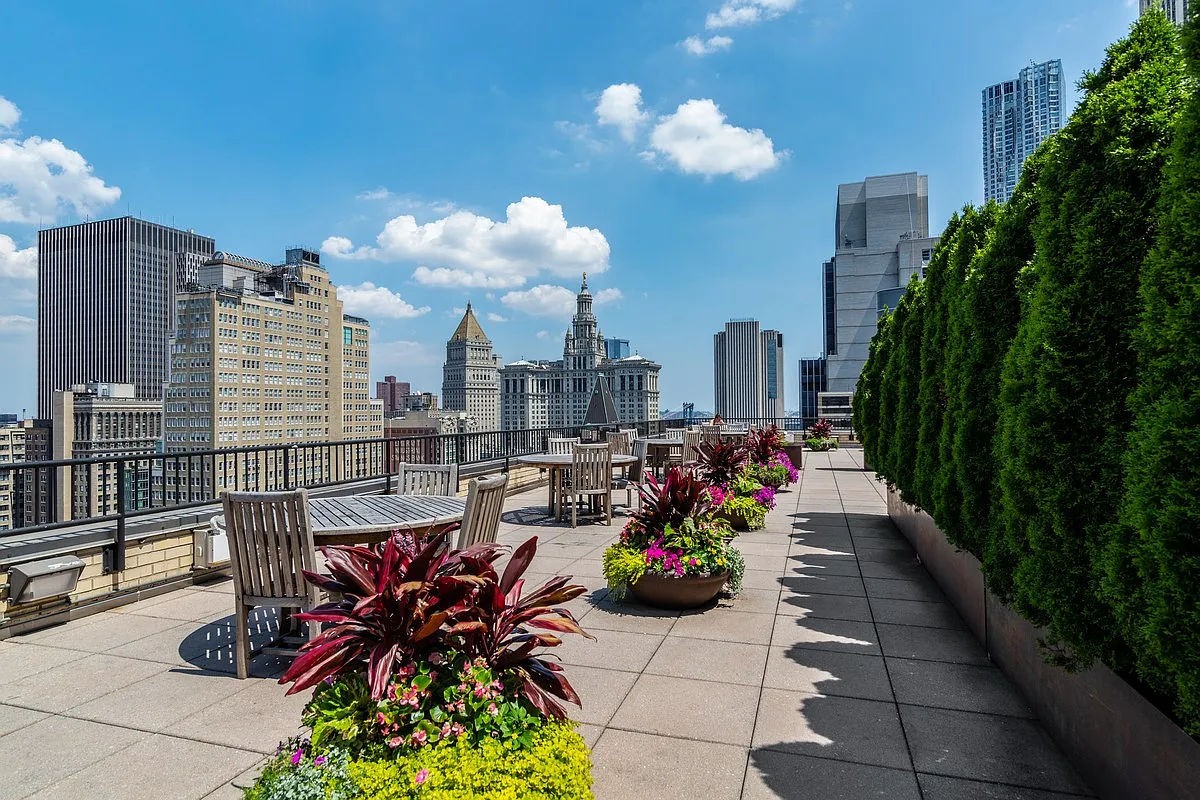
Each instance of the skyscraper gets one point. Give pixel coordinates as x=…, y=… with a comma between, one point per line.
x=105, y=304
x=471, y=374
x=748, y=373
x=1018, y=115
x=394, y=395
x=1176, y=10
x=881, y=232
x=812, y=384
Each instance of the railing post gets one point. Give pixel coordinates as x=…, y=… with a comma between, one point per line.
x=118, y=556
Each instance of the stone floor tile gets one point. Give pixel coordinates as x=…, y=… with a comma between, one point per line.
x=814, y=633
x=845, y=728
x=77, y=682
x=824, y=584
x=876, y=555
x=105, y=632
x=256, y=718
x=825, y=606
x=701, y=659
x=764, y=547
x=930, y=644
x=827, y=672
x=19, y=660
x=922, y=588
x=910, y=569
x=939, y=787
x=822, y=565
x=628, y=616
x=14, y=719
x=712, y=712
x=638, y=766
x=601, y=692
x=775, y=562
x=915, y=612
x=985, y=747
x=774, y=775
x=621, y=650
x=726, y=625
x=154, y=768
x=161, y=700
x=761, y=579
x=54, y=748
x=966, y=687
x=752, y=601
x=185, y=606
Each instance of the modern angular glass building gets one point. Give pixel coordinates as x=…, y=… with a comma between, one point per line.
x=1176, y=10
x=1018, y=115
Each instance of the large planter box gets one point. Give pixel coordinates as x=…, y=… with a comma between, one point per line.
x=1123, y=746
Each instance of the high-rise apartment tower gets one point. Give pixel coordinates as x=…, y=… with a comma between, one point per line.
x=1176, y=10
x=1018, y=115
x=748, y=374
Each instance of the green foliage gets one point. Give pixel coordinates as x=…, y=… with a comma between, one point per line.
x=556, y=766
x=622, y=568
x=868, y=393
x=905, y=369
x=1157, y=591
x=737, y=571
x=1096, y=200
x=820, y=445
x=340, y=712
x=752, y=512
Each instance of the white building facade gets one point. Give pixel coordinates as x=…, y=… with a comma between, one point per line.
x=471, y=376
x=748, y=374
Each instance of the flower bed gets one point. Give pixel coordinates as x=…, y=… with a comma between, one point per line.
x=820, y=436
x=426, y=683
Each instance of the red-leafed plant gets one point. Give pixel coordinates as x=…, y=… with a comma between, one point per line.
x=763, y=444
x=821, y=429
x=682, y=495
x=720, y=462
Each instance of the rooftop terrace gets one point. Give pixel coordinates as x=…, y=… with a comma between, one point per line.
x=841, y=672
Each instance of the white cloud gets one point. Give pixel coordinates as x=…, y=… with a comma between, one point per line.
x=736, y=13
x=10, y=115
x=494, y=317
x=369, y=300
x=380, y=193
x=546, y=300
x=394, y=357
x=621, y=106
x=698, y=140
x=41, y=177
x=16, y=263
x=470, y=250
x=543, y=334
x=16, y=324
x=703, y=47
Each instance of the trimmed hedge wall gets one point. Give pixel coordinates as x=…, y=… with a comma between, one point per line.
x=1038, y=393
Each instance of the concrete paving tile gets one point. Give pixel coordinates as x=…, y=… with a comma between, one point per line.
x=590, y=733
x=64, y=687
x=966, y=687
x=938, y=787
x=913, y=612
x=155, y=768
x=256, y=718
x=14, y=719
x=845, y=728
x=638, y=766
x=822, y=565
x=160, y=700
x=19, y=660
x=601, y=691
x=726, y=625
x=732, y=662
x=621, y=650
x=876, y=555
x=824, y=584
x=930, y=644
x=761, y=579
x=752, y=601
x=773, y=775
x=814, y=633
x=54, y=748
x=106, y=632
x=712, y=712
x=985, y=747
x=186, y=606
x=904, y=570
x=628, y=616
x=775, y=562
x=827, y=672
x=923, y=589
x=768, y=547
x=825, y=606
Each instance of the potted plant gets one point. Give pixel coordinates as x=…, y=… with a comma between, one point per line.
x=820, y=436
x=793, y=448
x=738, y=498
x=767, y=462
x=674, y=552
x=427, y=682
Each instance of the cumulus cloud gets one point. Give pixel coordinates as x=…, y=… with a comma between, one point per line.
x=16, y=324
x=547, y=300
x=17, y=263
x=620, y=105
x=465, y=249
x=738, y=13
x=698, y=140
x=698, y=46
x=369, y=300
x=494, y=317
x=10, y=115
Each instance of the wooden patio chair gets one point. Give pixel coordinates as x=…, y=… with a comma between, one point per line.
x=591, y=477
x=620, y=442
x=636, y=476
x=561, y=447
x=270, y=543
x=485, y=504
x=691, y=447
x=428, y=479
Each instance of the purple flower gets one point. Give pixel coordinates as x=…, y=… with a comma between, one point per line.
x=421, y=776
x=319, y=761
x=297, y=756
x=765, y=497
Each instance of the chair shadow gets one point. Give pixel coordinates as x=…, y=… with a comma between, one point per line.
x=210, y=649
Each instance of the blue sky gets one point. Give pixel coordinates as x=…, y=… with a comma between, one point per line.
x=440, y=152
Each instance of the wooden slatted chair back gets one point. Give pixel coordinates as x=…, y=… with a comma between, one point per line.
x=641, y=451
x=591, y=468
x=428, y=479
x=561, y=447
x=270, y=543
x=675, y=433
x=691, y=446
x=620, y=442
x=711, y=433
x=485, y=504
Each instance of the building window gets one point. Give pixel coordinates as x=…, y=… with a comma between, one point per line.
x=347, y=337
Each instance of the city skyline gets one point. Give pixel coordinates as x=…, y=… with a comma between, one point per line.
x=549, y=171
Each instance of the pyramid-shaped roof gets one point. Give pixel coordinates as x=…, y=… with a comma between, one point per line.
x=469, y=329
x=601, y=409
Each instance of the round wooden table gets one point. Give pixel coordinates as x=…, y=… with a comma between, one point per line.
x=558, y=463
x=369, y=518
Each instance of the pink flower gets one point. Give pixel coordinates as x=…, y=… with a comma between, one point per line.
x=493, y=710
x=380, y=718
x=319, y=761
x=479, y=690
x=297, y=756
x=419, y=737
x=395, y=742
x=421, y=776
x=436, y=658
x=457, y=730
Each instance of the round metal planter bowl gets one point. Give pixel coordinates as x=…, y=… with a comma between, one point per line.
x=686, y=592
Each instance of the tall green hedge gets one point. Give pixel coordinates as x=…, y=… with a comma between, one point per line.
x=1157, y=591
x=1039, y=392
x=867, y=394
